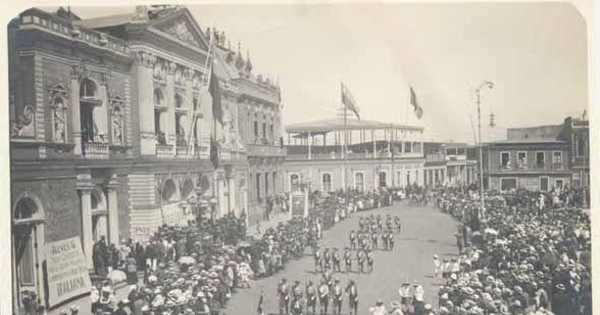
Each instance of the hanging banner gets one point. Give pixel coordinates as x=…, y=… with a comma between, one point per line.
x=67, y=271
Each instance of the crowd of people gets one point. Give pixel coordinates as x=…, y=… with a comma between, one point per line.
x=196, y=268
x=525, y=254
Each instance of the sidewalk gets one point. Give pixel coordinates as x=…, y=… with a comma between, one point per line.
x=264, y=225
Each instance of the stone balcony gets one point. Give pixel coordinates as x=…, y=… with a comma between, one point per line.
x=164, y=150
x=95, y=151
x=265, y=150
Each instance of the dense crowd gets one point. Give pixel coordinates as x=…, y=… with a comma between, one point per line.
x=527, y=253
x=196, y=268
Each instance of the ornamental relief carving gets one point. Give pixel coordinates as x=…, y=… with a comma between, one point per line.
x=180, y=31
x=23, y=126
x=145, y=59
x=160, y=70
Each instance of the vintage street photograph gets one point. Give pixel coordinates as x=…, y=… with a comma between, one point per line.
x=359, y=158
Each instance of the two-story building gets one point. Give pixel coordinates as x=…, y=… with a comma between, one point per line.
x=448, y=164
x=377, y=155
x=532, y=164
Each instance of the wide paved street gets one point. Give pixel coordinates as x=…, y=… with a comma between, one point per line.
x=426, y=232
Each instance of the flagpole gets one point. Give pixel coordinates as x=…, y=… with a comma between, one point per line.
x=345, y=147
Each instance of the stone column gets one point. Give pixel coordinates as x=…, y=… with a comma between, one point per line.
x=113, y=210
x=373, y=134
x=75, y=112
x=145, y=92
x=308, y=140
x=232, y=194
x=170, y=100
x=85, y=186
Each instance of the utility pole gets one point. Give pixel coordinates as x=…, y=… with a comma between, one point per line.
x=489, y=85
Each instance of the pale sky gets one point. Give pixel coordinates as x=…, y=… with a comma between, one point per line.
x=534, y=53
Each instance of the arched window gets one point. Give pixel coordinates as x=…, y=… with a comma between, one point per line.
x=382, y=179
x=26, y=235
x=326, y=181
x=88, y=89
x=188, y=187
x=359, y=181
x=169, y=191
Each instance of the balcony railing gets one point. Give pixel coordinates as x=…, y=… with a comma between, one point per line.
x=534, y=167
x=265, y=150
x=95, y=151
x=164, y=150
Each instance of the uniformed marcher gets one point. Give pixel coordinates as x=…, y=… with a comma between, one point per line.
x=352, y=240
x=338, y=295
x=297, y=295
x=327, y=258
x=283, y=293
x=348, y=260
x=390, y=240
x=374, y=238
x=311, y=298
x=360, y=258
x=318, y=260
x=352, y=292
x=370, y=260
x=336, y=260
x=323, y=297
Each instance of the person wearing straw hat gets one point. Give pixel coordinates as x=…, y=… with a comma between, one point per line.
x=378, y=309
x=396, y=308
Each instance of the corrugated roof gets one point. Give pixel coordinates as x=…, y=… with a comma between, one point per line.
x=326, y=125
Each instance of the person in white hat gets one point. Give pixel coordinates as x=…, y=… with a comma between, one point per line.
x=396, y=308
x=378, y=309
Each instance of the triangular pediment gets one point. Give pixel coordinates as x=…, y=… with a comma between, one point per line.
x=182, y=26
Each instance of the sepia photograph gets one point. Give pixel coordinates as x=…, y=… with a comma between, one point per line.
x=347, y=158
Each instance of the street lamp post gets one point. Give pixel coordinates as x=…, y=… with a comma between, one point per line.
x=489, y=85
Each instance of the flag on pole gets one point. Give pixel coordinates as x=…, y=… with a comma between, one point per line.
x=348, y=101
x=215, y=93
x=214, y=153
x=413, y=102
x=259, y=310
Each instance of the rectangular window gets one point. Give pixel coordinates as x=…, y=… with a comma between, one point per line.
x=544, y=183
x=461, y=151
x=258, y=187
x=522, y=159
x=264, y=130
x=559, y=184
x=359, y=181
x=450, y=151
x=540, y=158
x=557, y=157
x=382, y=179
x=408, y=177
x=407, y=147
x=505, y=159
x=508, y=183
x=417, y=147
x=326, y=179
x=256, y=128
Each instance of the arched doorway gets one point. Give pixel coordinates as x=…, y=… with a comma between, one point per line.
x=27, y=244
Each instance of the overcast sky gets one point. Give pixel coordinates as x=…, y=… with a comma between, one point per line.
x=535, y=53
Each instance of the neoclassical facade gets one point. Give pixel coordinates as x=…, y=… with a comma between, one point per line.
x=71, y=139
x=111, y=128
